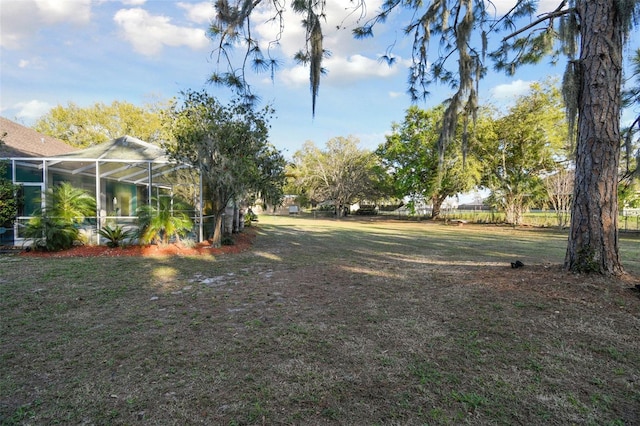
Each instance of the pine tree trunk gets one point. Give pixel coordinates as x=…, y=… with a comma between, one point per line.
x=593, y=237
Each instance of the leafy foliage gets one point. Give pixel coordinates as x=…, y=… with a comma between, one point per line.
x=342, y=173
x=163, y=219
x=411, y=156
x=518, y=148
x=229, y=145
x=55, y=226
x=115, y=235
x=82, y=127
x=9, y=197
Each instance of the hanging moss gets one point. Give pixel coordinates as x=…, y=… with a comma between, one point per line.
x=571, y=95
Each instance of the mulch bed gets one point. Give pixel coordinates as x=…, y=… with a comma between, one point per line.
x=243, y=242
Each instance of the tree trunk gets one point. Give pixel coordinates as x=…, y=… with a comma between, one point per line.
x=227, y=227
x=513, y=210
x=216, y=241
x=236, y=219
x=436, y=206
x=593, y=236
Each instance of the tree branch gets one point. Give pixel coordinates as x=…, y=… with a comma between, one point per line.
x=551, y=15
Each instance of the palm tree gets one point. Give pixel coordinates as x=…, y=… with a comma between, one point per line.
x=55, y=226
x=69, y=204
x=164, y=219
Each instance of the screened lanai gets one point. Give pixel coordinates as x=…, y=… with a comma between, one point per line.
x=123, y=174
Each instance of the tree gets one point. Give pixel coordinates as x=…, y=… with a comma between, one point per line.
x=590, y=33
x=229, y=145
x=411, y=156
x=342, y=173
x=559, y=187
x=517, y=149
x=82, y=127
x=9, y=199
x=628, y=185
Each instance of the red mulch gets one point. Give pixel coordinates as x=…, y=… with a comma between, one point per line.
x=243, y=242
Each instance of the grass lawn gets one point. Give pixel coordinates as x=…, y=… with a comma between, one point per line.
x=324, y=322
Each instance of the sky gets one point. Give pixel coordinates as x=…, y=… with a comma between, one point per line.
x=56, y=52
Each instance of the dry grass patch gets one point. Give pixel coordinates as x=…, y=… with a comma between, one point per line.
x=323, y=322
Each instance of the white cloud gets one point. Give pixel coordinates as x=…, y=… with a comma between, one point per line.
x=341, y=71
x=504, y=6
x=295, y=76
x=148, y=34
x=20, y=20
x=345, y=70
x=16, y=22
x=31, y=110
x=340, y=42
x=350, y=59
x=200, y=13
x=133, y=2
x=507, y=92
x=67, y=11
x=396, y=94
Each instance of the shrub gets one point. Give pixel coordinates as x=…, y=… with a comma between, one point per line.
x=55, y=227
x=116, y=235
x=9, y=197
x=163, y=220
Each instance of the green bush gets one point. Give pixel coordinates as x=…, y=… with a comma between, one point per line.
x=162, y=220
x=116, y=235
x=56, y=226
x=9, y=197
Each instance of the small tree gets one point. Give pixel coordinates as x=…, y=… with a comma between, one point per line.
x=229, y=145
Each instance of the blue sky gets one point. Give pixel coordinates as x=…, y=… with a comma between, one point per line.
x=86, y=51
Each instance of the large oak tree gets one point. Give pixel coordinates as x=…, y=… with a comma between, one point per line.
x=341, y=174
x=519, y=148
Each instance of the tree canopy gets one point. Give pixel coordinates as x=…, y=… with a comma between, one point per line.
x=520, y=147
x=83, y=127
x=229, y=145
x=342, y=173
x=411, y=156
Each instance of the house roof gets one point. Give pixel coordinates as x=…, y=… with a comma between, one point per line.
x=21, y=141
x=125, y=159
